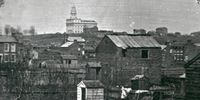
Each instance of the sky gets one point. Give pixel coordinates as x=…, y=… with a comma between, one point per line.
x=48, y=16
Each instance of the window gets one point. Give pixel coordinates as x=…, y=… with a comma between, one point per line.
x=1, y=58
x=145, y=54
x=6, y=47
x=124, y=52
x=69, y=61
x=13, y=47
x=13, y=58
x=6, y=57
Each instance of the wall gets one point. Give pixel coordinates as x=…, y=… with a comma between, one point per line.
x=193, y=82
x=95, y=94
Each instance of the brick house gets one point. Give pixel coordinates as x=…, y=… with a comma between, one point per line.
x=8, y=49
x=124, y=56
x=192, y=79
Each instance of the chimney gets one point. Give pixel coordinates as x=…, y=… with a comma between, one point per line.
x=65, y=37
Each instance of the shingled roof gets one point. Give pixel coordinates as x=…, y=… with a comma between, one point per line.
x=131, y=41
x=7, y=39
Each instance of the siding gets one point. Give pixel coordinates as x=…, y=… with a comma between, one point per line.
x=95, y=94
x=193, y=82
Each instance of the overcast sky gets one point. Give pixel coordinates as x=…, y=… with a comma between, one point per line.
x=117, y=15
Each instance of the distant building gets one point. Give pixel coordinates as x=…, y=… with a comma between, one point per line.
x=8, y=49
x=76, y=25
x=162, y=31
x=1, y=30
x=176, y=54
x=124, y=56
x=139, y=31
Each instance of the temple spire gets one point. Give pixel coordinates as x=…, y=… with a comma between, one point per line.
x=73, y=12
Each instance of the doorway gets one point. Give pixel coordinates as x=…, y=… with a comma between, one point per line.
x=83, y=93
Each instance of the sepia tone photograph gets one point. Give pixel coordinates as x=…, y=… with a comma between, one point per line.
x=99, y=49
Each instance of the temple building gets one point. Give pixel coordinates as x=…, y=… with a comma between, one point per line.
x=76, y=25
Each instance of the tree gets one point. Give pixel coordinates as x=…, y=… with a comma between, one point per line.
x=1, y=2
x=32, y=30
x=7, y=29
x=177, y=34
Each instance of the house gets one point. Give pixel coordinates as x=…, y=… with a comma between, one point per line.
x=69, y=60
x=8, y=49
x=176, y=54
x=89, y=52
x=90, y=90
x=192, y=79
x=124, y=56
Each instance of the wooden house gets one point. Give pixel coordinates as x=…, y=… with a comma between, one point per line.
x=90, y=90
x=193, y=79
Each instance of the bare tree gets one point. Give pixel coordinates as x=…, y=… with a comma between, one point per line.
x=1, y=3
x=32, y=30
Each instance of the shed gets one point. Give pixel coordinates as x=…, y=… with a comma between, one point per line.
x=93, y=70
x=140, y=82
x=90, y=90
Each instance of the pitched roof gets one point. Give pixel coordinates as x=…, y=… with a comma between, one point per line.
x=7, y=39
x=137, y=77
x=78, y=39
x=67, y=44
x=94, y=64
x=129, y=41
x=68, y=56
x=93, y=83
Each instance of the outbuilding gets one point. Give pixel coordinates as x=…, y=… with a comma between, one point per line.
x=90, y=90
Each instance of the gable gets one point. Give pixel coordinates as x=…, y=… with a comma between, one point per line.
x=106, y=46
x=81, y=84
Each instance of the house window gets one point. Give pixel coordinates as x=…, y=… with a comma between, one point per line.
x=124, y=52
x=6, y=57
x=68, y=61
x=6, y=47
x=13, y=47
x=1, y=58
x=145, y=54
x=13, y=58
